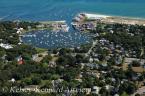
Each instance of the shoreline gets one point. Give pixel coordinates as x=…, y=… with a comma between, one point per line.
x=93, y=13
x=119, y=16
x=88, y=21
x=55, y=26
x=83, y=17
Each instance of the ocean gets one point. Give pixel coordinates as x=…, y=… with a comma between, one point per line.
x=66, y=9
x=42, y=10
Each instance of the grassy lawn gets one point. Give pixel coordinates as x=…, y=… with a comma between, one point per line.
x=40, y=50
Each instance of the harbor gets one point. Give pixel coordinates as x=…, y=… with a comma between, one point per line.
x=61, y=35
x=72, y=48
x=49, y=39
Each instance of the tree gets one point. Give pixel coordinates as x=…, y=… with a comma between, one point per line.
x=66, y=60
x=137, y=95
x=46, y=59
x=103, y=91
x=36, y=80
x=70, y=73
x=47, y=84
x=135, y=63
x=2, y=52
x=127, y=87
x=124, y=94
x=61, y=61
x=79, y=58
x=101, y=57
x=62, y=52
x=27, y=81
x=55, y=51
x=131, y=88
x=88, y=81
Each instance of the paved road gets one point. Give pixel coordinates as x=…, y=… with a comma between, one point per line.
x=140, y=91
x=93, y=45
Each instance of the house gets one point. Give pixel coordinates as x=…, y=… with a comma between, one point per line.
x=91, y=60
x=13, y=80
x=40, y=26
x=52, y=64
x=113, y=79
x=111, y=31
x=93, y=65
x=20, y=60
x=118, y=60
x=138, y=69
x=103, y=72
x=79, y=80
x=90, y=26
x=34, y=57
x=6, y=46
x=96, y=89
x=19, y=43
x=19, y=31
x=129, y=60
x=134, y=77
x=104, y=64
x=116, y=95
x=96, y=59
x=141, y=91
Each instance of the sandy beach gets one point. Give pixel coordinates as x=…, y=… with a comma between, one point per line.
x=88, y=15
x=116, y=19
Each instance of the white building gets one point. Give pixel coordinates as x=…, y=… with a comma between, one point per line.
x=19, y=31
x=6, y=46
x=96, y=90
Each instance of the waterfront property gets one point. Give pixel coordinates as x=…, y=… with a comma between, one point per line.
x=86, y=21
x=81, y=23
x=97, y=65
x=55, y=26
x=6, y=46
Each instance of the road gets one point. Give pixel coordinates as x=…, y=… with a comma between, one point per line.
x=93, y=45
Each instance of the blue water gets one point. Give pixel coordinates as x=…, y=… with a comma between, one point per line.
x=45, y=39
x=41, y=10
x=66, y=9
